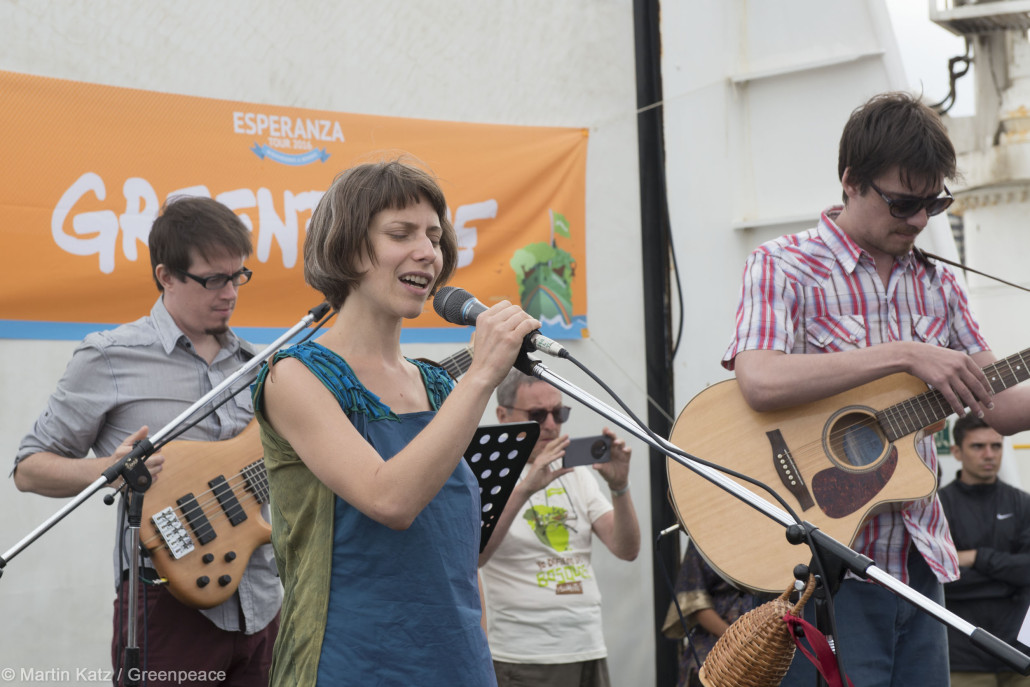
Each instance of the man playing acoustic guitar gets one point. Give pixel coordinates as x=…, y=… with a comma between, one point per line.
x=849, y=302
x=145, y=373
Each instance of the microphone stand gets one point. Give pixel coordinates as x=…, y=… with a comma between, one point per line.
x=821, y=543
x=137, y=478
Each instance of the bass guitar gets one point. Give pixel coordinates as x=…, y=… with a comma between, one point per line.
x=836, y=462
x=202, y=519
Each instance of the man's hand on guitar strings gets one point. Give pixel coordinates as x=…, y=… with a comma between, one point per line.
x=954, y=374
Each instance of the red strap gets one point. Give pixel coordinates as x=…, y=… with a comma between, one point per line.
x=826, y=663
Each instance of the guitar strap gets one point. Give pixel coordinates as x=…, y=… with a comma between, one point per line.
x=823, y=659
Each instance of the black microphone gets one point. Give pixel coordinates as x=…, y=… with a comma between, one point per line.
x=458, y=306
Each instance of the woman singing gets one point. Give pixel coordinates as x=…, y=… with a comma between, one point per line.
x=375, y=516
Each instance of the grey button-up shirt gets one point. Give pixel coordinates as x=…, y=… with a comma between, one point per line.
x=147, y=373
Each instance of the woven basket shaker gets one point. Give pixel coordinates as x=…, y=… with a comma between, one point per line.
x=756, y=650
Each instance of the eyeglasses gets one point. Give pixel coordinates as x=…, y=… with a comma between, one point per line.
x=539, y=415
x=217, y=282
x=904, y=208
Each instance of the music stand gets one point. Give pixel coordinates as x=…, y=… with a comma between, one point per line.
x=497, y=454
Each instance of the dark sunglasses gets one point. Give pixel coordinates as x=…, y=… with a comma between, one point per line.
x=218, y=281
x=903, y=208
x=539, y=415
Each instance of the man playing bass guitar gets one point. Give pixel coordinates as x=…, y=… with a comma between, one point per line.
x=146, y=373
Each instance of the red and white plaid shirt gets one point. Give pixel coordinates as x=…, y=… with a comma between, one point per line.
x=819, y=292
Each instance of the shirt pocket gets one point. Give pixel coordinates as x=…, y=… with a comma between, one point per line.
x=931, y=329
x=830, y=333
x=244, y=402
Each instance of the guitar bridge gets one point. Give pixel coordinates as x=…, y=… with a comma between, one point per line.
x=788, y=471
x=173, y=532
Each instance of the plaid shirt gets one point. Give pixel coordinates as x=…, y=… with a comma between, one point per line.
x=819, y=292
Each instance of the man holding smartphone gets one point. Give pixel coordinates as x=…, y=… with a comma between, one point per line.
x=542, y=601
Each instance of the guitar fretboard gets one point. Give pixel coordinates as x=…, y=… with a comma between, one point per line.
x=458, y=363
x=257, y=480
x=926, y=409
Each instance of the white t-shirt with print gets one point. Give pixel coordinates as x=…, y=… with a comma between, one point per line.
x=543, y=603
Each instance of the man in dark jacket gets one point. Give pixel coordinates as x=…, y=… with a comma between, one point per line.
x=990, y=523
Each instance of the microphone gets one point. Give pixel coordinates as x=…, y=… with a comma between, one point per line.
x=458, y=306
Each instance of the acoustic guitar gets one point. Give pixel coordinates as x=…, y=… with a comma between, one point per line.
x=202, y=519
x=836, y=462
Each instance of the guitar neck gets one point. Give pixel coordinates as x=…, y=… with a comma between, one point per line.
x=458, y=363
x=256, y=479
x=931, y=407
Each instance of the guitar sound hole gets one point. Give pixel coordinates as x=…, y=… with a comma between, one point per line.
x=856, y=440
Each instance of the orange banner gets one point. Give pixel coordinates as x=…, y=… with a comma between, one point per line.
x=87, y=167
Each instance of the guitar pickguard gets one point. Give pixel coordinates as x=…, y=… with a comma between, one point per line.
x=843, y=492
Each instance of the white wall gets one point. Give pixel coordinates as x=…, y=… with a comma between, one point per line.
x=756, y=95
x=529, y=63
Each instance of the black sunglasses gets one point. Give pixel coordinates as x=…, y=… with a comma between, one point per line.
x=539, y=415
x=217, y=282
x=904, y=208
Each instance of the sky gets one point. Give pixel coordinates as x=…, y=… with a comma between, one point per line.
x=925, y=49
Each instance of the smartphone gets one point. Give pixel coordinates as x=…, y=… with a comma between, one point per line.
x=587, y=451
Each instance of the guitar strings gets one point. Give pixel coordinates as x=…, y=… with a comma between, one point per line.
x=215, y=516
x=240, y=489
x=917, y=412
x=836, y=437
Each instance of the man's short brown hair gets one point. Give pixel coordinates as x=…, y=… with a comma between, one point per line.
x=895, y=130
x=189, y=223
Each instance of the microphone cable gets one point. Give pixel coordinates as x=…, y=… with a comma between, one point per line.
x=688, y=632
